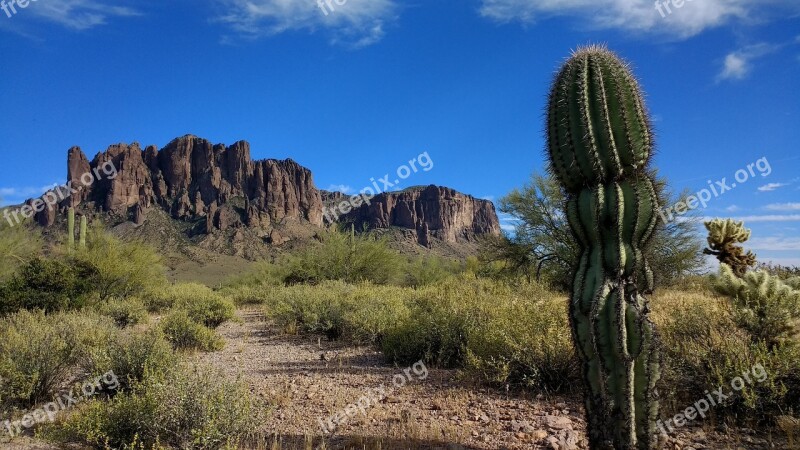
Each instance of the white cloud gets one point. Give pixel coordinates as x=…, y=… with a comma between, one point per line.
x=76, y=14
x=774, y=243
x=356, y=23
x=783, y=207
x=769, y=187
x=692, y=18
x=739, y=64
x=8, y=195
x=343, y=188
x=789, y=262
x=732, y=208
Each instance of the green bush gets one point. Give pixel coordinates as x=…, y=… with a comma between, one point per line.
x=48, y=284
x=125, y=312
x=247, y=294
x=187, y=334
x=196, y=409
x=132, y=355
x=19, y=244
x=124, y=269
x=426, y=270
x=39, y=353
x=340, y=257
x=704, y=348
x=203, y=304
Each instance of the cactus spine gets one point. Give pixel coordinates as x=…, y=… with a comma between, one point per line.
x=83, y=232
x=599, y=145
x=71, y=230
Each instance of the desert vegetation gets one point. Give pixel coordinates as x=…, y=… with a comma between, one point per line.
x=72, y=313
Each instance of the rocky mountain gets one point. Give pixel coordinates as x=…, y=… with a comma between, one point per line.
x=432, y=212
x=218, y=189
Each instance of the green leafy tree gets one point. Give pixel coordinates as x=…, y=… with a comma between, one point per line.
x=543, y=247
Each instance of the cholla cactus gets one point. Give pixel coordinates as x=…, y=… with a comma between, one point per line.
x=766, y=306
x=723, y=235
x=600, y=142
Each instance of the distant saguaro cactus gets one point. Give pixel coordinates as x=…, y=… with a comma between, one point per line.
x=600, y=142
x=723, y=235
x=71, y=230
x=83, y=232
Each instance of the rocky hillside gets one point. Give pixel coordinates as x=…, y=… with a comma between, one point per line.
x=432, y=212
x=218, y=191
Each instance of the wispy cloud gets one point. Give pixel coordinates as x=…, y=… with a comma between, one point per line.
x=356, y=23
x=14, y=195
x=769, y=187
x=639, y=15
x=732, y=208
x=783, y=207
x=775, y=243
x=75, y=14
x=738, y=64
x=343, y=188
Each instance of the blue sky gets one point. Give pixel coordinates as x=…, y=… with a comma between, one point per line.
x=356, y=90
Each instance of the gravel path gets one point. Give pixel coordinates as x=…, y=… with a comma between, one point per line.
x=304, y=381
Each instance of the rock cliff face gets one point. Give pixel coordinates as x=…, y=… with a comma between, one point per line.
x=220, y=188
x=192, y=178
x=431, y=211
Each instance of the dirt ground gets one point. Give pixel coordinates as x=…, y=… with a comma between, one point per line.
x=317, y=394
x=307, y=380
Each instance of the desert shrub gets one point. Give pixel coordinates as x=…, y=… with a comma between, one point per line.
x=502, y=333
x=340, y=257
x=124, y=269
x=209, y=307
x=425, y=270
x=132, y=355
x=372, y=310
x=39, y=353
x=704, y=348
x=524, y=341
x=436, y=330
x=187, y=334
x=125, y=312
x=202, y=303
x=48, y=284
x=247, y=294
x=19, y=244
x=261, y=273
x=358, y=313
x=310, y=309
x=196, y=409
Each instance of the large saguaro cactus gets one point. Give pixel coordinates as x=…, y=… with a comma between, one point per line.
x=600, y=142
